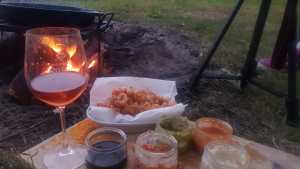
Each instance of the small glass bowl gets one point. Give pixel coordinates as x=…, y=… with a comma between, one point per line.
x=163, y=155
x=224, y=155
x=179, y=127
x=210, y=129
x=107, y=147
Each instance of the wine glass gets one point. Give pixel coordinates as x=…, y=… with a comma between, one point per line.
x=56, y=72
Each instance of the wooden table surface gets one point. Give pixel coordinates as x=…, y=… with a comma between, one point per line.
x=263, y=157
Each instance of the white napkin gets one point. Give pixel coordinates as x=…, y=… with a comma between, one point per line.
x=103, y=88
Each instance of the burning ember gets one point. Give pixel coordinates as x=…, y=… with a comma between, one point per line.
x=92, y=63
x=71, y=67
x=48, y=69
x=71, y=50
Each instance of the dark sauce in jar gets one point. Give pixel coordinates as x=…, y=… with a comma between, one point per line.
x=115, y=159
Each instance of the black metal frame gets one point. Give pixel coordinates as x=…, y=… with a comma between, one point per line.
x=217, y=42
x=249, y=69
x=104, y=22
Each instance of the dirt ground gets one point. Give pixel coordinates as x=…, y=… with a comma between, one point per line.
x=132, y=50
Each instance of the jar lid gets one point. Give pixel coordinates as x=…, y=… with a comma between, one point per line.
x=207, y=123
x=177, y=124
x=106, y=134
x=226, y=155
x=155, y=144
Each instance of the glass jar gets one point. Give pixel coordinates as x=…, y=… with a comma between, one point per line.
x=156, y=151
x=107, y=148
x=224, y=155
x=179, y=127
x=210, y=129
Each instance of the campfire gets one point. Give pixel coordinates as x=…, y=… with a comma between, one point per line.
x=59, y=48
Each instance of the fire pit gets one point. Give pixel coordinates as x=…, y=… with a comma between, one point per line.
x=18, y=17
x=12, y=48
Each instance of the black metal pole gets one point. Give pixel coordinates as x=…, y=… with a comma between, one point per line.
x=279, y=56
x=250, y=64
x=217, y=42
x=293, y=118
x=291, y=100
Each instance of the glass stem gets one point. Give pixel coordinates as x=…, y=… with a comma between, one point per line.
x=65, y=139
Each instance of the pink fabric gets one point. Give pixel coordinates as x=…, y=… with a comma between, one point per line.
x=298, y=50
x=266, y=62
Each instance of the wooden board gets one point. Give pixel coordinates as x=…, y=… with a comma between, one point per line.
x=263, y=157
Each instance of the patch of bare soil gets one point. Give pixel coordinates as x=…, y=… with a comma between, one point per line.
x=140, y=50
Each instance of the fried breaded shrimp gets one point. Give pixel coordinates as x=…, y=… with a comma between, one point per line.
x=131, y=101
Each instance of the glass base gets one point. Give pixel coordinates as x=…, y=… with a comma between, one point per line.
x=65, y=158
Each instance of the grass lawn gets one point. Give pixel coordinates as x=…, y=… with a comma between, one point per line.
x=203, y=18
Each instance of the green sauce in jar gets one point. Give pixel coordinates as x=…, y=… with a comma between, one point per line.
x=179, y=127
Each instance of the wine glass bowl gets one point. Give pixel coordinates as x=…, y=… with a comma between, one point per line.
x=55, y=64
x=56, y=72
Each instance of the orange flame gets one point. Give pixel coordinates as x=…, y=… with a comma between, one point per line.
x=56, y=47
x=48, y=69
x=71, y=50
x=71, y=67
x=92, y=63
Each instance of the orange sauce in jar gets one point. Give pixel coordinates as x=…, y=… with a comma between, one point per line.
x=210, y=129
